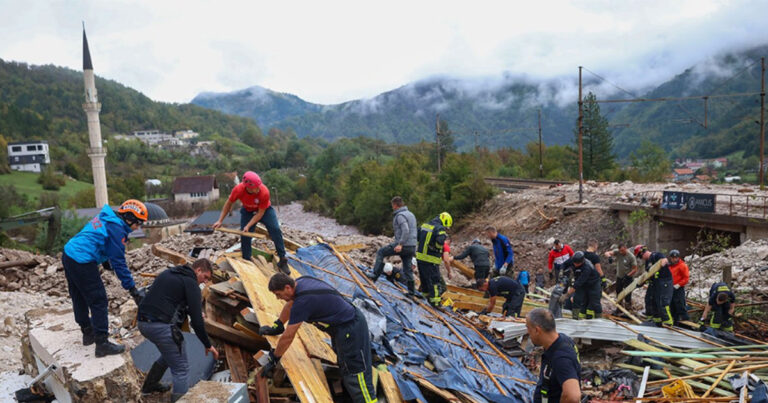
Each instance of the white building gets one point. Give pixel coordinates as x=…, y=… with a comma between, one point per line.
x=185, y=134
x=152, y=137
x=30, y=156
x=196, y=189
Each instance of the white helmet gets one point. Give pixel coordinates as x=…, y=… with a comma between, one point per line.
x=413, y=262
x=388, y=268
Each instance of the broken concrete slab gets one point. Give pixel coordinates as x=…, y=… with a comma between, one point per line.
x=216, y=392
x=53, y=337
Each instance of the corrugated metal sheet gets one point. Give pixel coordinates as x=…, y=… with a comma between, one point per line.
x=602, y=329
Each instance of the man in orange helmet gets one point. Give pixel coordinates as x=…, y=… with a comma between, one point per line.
x=101, y=242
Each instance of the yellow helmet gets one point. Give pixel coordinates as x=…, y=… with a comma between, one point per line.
x=446, y=219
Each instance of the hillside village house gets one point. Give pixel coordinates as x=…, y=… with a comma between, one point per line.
x=682, y=174
x=196, y=189
x=29, y=156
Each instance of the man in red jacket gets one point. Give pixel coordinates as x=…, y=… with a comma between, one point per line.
x=557, y=256
x=680, y=276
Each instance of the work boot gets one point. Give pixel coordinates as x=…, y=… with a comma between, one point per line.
x=372, y=277
x=176, y=396
x=105, y=348
x=152, y=381
x=88, y=337
x=282, y=265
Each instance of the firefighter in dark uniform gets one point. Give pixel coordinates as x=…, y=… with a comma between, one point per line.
x=429, y=255
x=721, y=303
x=560, y=365
x=586, y=289
x=658, y=297
x=312, y=300
x=394, y=274
x=508, y=288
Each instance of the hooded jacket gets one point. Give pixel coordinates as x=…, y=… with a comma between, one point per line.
x=103, y=238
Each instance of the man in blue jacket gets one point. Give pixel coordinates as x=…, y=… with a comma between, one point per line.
x=101, y=242
x=504, y=257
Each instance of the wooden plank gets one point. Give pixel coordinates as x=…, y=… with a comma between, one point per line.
x=233, y=336
x=237, y=369
x=463, y=269
x=638, y=281
x=261, y=390
x=259, y=231
x=319, y=367
x=692, y=364
x=350, y=247
x=622, y=309
x=719, y=378
x=170, y=255
x=465, y=291
x=304, y=377
x=388, y=384
x=442, y=393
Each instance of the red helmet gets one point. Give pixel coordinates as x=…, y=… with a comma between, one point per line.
x=135, y=207
x=251, y=179
x=639, y=249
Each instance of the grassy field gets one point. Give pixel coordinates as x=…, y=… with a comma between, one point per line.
x=26, y=183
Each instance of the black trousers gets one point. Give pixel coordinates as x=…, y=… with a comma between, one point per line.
x=88, y=294
x=621, y=284
x=429, y=274
x=352, y=344
x=406, y=255
x=513, y=305
x=657, y=301
x=679, y=308
x=586, y=301
x=721, y=319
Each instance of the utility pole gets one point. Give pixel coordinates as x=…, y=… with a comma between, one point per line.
x=762, y=122
x=581, y=130
x=541, y=160
x=475, y=140
x=437, y=136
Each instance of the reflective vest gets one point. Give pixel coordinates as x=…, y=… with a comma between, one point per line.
x=430, y=250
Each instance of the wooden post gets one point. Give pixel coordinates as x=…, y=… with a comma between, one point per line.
x=639, y=280
x=719, y=378
x=727, y=275
x=622, y=309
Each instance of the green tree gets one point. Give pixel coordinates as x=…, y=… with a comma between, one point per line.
x=649, y=163
x=4, y=167
x=597, y=141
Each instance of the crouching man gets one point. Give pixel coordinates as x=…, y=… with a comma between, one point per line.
x=174, y=295
x=312, y=300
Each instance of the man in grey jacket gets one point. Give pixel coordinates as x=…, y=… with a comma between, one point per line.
x=404, y=224
x=480, y=259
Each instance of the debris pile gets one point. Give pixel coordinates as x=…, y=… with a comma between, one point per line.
x=749, y=268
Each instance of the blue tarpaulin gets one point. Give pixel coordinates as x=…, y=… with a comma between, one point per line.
x=458, y=369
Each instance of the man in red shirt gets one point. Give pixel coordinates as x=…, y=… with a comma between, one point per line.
x=559, y=254
x=680, y=276
x=254, y=196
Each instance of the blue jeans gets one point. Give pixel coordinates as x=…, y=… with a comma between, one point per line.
x=171, y=354
x=88, y=294
x=269, y=219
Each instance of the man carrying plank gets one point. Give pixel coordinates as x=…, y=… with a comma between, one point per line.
x=312, y=300
x=658, y=297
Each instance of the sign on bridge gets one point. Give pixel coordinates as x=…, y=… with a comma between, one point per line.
x=701, y=202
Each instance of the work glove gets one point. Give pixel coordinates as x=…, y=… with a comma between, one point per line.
x=137, y=295
x=676, y=286
x=269, y=367
x=274, y=330
x=106, y=265
x=603, y=282
x=503, y=269
x=484, y=312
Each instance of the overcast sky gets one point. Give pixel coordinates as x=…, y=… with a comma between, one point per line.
x=334, y=51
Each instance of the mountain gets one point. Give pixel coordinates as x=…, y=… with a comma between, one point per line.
x=502, y=112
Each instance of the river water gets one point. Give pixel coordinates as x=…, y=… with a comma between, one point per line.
x=293, y=216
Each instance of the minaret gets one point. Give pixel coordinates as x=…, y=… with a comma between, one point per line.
x=92, y=107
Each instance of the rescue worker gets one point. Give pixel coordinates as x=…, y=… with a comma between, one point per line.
x=429, y=255
x=503, y=255
x=626, y=268
x=680, y=276
x=659, y=293
x=480, y=260
x=586, y=288
x=257, y=208
x=404, y=245
x=722, y=304
x=559, y=376
x=101, y=242
x=557, y=256
x=174, y=295
x=592, y=256
x=524, y=278
x=394, y=273
x=312, y=300
x=510, y=289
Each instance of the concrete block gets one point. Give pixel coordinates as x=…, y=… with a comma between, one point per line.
x=53, y=337
x=216, y=392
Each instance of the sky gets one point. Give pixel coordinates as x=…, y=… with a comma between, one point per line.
x=333, y=51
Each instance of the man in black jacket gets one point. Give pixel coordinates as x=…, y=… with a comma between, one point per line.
x=174, y=295
x=480, y=259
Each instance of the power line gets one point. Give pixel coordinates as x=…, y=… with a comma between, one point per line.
x=609, y=82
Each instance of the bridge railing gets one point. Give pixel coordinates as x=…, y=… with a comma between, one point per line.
x=743, y=205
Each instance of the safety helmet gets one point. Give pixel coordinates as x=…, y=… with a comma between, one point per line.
x=251, y=179
x=639, y=249
x=674, y=253
x=476, y=241
x=135, y=208
x=578, y=257
x=446, y=219
x=388, y=268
